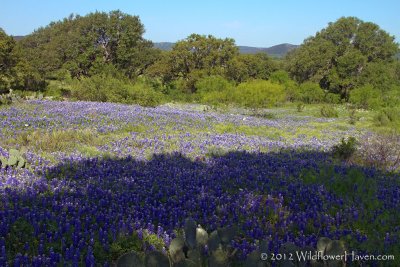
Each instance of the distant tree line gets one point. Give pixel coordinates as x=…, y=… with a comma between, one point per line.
x=104, y=57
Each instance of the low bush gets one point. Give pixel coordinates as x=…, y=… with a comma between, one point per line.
x=332, y=98
x=381, y=151
x=103, y=88
x=11, y=97
x=311, y=93
x=387, y=117
x=328, y=111
x=214, y=90
x=258, y=94
x=346, y=149
x=366, y=97
x=300, y=107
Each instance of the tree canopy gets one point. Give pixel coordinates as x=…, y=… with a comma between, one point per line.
x=104, y=57
x=339, y=55
x=8, y=60
x=80, y=44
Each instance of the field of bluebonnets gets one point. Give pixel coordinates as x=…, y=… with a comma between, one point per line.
x=102, y=179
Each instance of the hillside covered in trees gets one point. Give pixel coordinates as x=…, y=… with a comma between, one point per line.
x=104, y=57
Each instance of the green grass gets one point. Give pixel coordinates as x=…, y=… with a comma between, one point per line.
x=264, y=131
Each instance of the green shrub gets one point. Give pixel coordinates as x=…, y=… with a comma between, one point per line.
x=391, y=98
x=58, y=89
x=311, y=93
x=212, y=83
x=144, y=95
x=104, y=88
x=329, y=111
x=381, y=119
x=94, y=88
x=214, y=90
x=291, y=88
x=366, y=97
x=300, y=107
x=387, y=116
x=258, y=94
x=345, y=149
x=11, y=97
x=280, y=76
x=332, y=98
x=392, y=113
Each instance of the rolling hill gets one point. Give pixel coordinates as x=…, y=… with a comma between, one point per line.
x=276, y=51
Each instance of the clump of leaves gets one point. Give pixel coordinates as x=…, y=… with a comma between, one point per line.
x=328, y=111
x=386, y=117
x=300, y=107
x=7, y=99
x=15, y=159
x=346, y=149
x=262, y=114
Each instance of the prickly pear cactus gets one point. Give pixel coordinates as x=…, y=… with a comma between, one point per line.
x=15, y=159
x=131, y=259
x=197, y=248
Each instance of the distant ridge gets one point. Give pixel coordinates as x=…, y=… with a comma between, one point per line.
x=18, y=37
x=275, y=51
x=166, y=46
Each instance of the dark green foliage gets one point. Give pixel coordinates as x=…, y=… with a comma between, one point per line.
x=342, y=56
x=328, y=111
x=8, y=61
x=21, y=232
x=196, y=57
x=332, y=98
x=244, y=67
x=78, y=44
x=345, y=149
x=15, y=71
x=123, y=245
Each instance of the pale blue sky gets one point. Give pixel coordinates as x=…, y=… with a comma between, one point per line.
x=250, y=22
